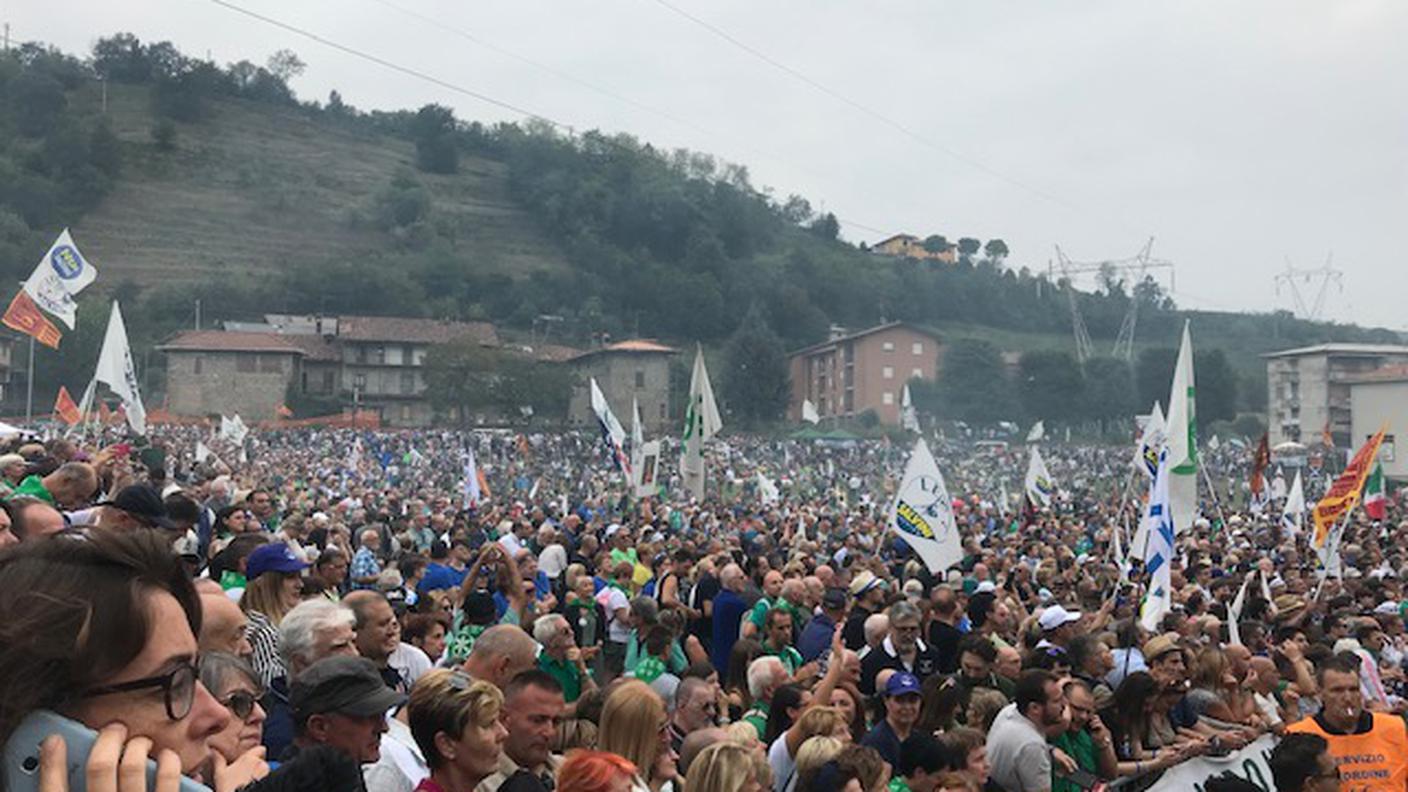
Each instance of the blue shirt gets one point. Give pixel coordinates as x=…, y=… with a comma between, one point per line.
x=728, y=615
x=364, y=565
x=884, y=740
x=816, y=637
x=440, y=576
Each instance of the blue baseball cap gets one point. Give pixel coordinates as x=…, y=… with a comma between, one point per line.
x=902, y=683
x=276, y=557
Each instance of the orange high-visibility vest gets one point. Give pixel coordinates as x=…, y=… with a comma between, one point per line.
x=1372, y=761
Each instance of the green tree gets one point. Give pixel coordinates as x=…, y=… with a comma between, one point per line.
x=164, y=135
x=285, y=65
x=1153, y=376
x=968, y=247
x=826, y=226
x=122, y=58
x=1109, y=391
x=37, y=100
x=1051, y=385
x=1216, y=386
x=521, y=382
x=973, y=385
x=936, y=243
x=460, y=378
x=755, y=387
x=433, y=131
x=996, y=250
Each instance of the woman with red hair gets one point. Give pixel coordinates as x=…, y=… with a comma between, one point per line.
x=595, y=771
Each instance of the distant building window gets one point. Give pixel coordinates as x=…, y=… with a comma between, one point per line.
x=640, y=379
x=197, y=364
x=664, y=411
x=379, y=355
x=408, y=382
x=916, y=374
x=917, y=348
x=246, y=364
x=888, y=346
x=405, y=412
x=270, y=364
x=887, y=398
x=327, y=381
x=887, y=372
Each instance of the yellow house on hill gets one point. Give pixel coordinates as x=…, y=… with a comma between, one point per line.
x=910, y=246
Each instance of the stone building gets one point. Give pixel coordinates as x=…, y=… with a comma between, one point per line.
x=638, y=369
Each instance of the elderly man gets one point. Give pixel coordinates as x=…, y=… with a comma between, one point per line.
x=501, y=653
x=765, y=675
x=223, y=626
x=379, y=636
x=901, y=650
x=772, y=598
x=869, y=594
x=815, y=640
x=134, y=507
x=695, y=707
x=562, y=659
x=71, y=486
x=366, y=567
x=341, y=702
x=314, y=630
x=729, y=608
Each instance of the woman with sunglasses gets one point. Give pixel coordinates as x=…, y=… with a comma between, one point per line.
x=102, y=630
x=234, y=684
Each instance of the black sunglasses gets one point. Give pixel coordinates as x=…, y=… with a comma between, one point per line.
x=241, y=703
x=178, y=688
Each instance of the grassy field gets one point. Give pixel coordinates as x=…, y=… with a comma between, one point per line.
x=254, y=188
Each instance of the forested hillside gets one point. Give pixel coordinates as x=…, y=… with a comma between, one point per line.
x=185, y=180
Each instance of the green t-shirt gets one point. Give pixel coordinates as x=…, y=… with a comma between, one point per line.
x=1079, y=746
x=567, y=674
x=759, y=718
x=790, y=657
x=628, y=555
x=33, y=486
x=759, y=616
x=897, y=784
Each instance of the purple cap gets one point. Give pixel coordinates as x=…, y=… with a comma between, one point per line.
x=276, y=557
x=902, y=683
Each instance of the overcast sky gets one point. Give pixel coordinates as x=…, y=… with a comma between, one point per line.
x=1237, y=133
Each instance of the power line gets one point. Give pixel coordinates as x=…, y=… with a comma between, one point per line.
x=873, y=113
x=603, y=91
x=416, y=73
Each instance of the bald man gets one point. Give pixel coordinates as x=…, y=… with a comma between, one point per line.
x=71, y=486
x=223, y=626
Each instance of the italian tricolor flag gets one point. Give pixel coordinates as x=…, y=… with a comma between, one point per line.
x=1374, y=503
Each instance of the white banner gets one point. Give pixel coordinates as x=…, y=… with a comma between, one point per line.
x=1248, y=763
x=60, y=276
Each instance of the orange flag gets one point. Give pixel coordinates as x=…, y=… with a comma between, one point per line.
x=283, y=411
x=25, y=317
x=65, y=408
x=1344, y=493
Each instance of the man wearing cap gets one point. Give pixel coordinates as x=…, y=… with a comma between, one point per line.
x=902, y=649
x=1058, y=627
x=815, y=639
x=1165, y=659
x=341, y=702
x=869, y=594
x=136, y=506
x=902, y=696
x=1017, y=749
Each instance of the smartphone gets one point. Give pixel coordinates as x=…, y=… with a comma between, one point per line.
x=1081, y=778
x=22, y=754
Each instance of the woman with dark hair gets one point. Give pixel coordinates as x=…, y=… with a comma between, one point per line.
x=1128, y=717
x=103, y=630
x=230, y=522
x=788, y=701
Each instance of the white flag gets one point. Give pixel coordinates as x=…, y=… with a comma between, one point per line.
x=647, y=471
x=701, y=422
x=1214, y=443
x=472, y=493
x=1151, y=440
x=767, y=490
x=1294, y=511
x=922, y=513
x=1038, y=483
x=1037, y=432
x=1234, y=611
x=1278, y=485
x=611, y=430
x=1158, y=550
x=202, y=452
x=115, y=369
x=60, y=276
x=233, y=429
x=1183, y=439
x=809, y=413
x=909, y=419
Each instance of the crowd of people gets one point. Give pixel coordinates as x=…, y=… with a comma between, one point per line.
x=449, y=611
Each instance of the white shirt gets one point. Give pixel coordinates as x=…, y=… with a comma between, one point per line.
x=410, y=661
x=511, y=544
x=783, y=764
x=613, y=599
x=401, y=767
x=553, y=560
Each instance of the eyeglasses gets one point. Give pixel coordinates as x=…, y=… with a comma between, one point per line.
x=178, y=689
x=241, y=703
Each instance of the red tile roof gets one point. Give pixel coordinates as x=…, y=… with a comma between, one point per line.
x=643, y=346
x=222, y=341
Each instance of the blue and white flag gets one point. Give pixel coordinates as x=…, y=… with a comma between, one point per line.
x=922, y=514
x=1158, y=549
x=472, y=493
x=1038, y=483
x=611, y=430
x=1293, y=511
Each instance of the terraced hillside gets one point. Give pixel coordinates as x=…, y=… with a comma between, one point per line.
x=255, y=188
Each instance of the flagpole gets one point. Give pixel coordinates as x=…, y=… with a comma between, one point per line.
x=1216, y=502
x=29, y=386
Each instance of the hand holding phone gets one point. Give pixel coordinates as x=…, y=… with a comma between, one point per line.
x=51, y=753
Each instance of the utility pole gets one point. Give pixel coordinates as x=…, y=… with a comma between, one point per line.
x=29, y=383
x=7, y=36
x=197, y=313
x=1135, y=269
x=1324, y=275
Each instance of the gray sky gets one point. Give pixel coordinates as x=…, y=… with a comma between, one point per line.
x=1236, y=133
